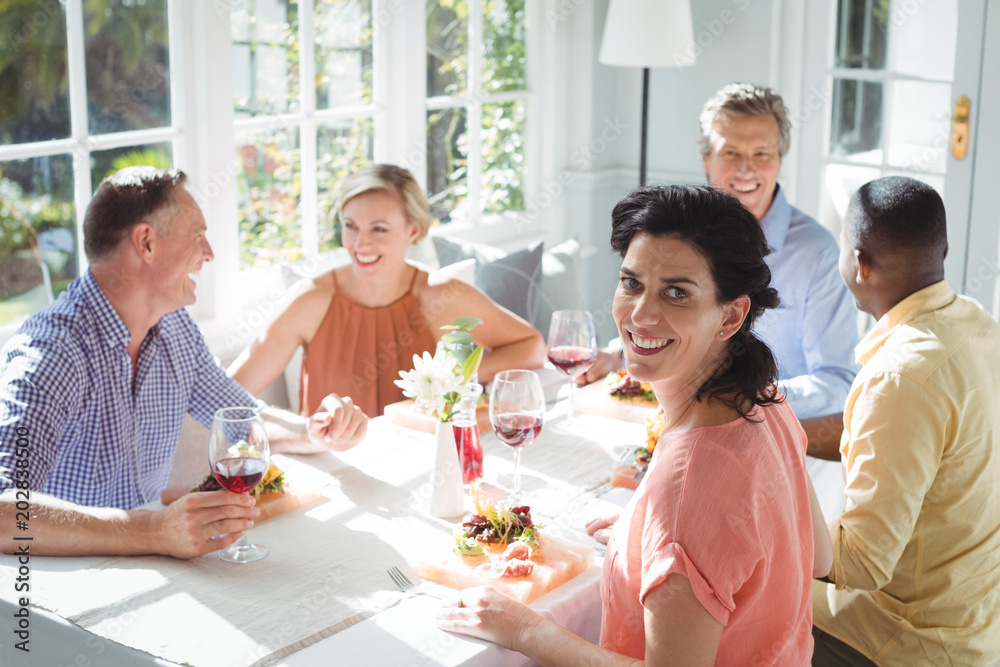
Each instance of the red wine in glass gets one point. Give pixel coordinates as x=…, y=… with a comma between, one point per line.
x=517, y=430
x=517, y=410
x=470, y=450
x=239, y=474
x=238, y=452
x=572, y=359
x=572, y=347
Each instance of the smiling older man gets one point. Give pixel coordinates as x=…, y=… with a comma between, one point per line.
x=94, y=388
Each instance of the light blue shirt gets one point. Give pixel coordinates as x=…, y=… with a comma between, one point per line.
x=812, y=334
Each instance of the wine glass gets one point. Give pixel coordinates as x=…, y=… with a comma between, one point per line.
x=238, y=454
x=517, y=409
x=572, y=347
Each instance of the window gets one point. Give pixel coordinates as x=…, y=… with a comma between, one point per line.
x=891, y=79
x=85, y=89
x=477, y=99
x=304, y=120
x=317, y=87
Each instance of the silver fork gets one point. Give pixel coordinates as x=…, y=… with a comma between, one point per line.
x=404, y=584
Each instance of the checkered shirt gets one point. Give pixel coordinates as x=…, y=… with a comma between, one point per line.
x=66, y=376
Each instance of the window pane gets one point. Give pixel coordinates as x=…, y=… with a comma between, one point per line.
x=343, y=53
x=34, y=83
x=38, y=254
x=105, y=163
x=920, y=122
x=265, y=57
x=857, y=121
x=861, y=33
x=128, y=65
x=923, y=36
x=270, y=186
x=447, y=163
x=503, y=157
x=504, y=63
x=447, y=47
x=839, y=184
x=340, y=149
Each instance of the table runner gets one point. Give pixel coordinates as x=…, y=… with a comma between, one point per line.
x=324, y=573
x=326, y=569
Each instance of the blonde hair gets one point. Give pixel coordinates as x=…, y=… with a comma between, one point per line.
x=744, y=100
x=389, y=178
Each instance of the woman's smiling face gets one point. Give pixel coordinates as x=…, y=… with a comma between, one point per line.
x=667, y=314
x=376, y=231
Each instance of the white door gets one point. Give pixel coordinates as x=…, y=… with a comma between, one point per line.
x=895, y=69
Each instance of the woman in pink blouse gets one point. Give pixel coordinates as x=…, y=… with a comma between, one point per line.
x=711, y=561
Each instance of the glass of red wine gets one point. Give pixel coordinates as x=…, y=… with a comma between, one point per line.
x=238, y=454
x=572, y=347
x=517, y=410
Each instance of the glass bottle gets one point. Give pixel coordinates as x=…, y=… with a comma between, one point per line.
x=466, y=428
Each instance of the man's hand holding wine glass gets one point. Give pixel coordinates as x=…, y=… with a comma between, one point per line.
x=203, y=522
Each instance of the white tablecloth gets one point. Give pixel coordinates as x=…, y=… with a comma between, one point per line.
x=326, y=571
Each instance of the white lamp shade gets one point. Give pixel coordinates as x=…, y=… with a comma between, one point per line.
x=648, y=33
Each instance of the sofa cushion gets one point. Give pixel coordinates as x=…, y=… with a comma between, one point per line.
x=561, y=288
x=511, y=280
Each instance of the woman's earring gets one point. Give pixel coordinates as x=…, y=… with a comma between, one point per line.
x=722, y=333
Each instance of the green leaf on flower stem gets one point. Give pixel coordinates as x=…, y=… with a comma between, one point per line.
x=468, y=323
x=471, y=364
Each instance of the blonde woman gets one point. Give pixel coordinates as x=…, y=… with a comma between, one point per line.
x=362, y=323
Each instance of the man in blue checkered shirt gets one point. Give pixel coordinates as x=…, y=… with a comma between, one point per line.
x=94, y=389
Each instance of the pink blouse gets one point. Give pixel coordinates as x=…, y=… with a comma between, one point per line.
x=727, y=507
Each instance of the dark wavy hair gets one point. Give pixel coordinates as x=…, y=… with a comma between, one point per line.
x=733, y=243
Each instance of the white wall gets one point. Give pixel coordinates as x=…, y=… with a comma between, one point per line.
x=602, y=108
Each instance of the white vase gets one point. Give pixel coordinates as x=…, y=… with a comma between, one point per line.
x=447, y=500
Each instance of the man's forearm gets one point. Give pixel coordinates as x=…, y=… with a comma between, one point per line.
x=61, y=528
x=823, y=436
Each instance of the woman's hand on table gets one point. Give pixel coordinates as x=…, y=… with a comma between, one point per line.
x=486, y=614
x=600, y=529
x=338, y=424
x=199, y=523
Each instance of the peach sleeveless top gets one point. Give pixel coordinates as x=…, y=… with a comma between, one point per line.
x=359, y=351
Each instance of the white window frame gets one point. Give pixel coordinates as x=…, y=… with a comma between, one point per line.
x=80, y=143
x=203, y=127
x=473, y=102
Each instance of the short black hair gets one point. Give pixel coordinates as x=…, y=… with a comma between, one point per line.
x=898, y=216
x=732, y=241
x=124, y=199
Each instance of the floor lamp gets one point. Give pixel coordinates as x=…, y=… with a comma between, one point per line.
x=648, y=33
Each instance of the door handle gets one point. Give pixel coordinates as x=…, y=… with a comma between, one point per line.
x=960, y=128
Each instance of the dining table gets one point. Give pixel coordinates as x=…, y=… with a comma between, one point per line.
x=323, y=596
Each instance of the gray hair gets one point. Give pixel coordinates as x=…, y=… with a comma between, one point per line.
x=744, y=100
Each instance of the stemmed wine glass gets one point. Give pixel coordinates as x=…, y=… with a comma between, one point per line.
x=572, y=346
x=517, y=409
x=238, y=454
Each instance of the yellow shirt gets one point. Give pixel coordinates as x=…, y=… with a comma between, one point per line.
x=916, y=554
